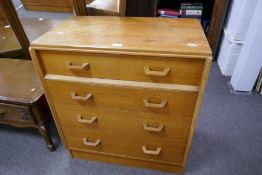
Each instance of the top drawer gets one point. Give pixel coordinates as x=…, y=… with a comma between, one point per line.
x=184, y=71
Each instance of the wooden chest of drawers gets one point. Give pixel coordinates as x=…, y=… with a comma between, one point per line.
x=125, y=90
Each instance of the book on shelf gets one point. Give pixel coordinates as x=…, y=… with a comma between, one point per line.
x=169, y=12
x=191, y=6
x=168, y=16
x=191, y=10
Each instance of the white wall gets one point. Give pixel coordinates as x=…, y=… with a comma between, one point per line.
x=250, y=59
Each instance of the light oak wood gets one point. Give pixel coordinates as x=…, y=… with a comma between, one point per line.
x=122, y=97
x=125, y=120
x=172, y=149
x=105, y=105
x=142, y=68
x=127, y=160
x=152, y=35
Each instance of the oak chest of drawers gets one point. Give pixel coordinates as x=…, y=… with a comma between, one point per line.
x=125, y=90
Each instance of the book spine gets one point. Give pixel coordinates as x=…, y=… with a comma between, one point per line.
x=168, y=16
x=168, y=12
x=191, y=12
x=191, y=8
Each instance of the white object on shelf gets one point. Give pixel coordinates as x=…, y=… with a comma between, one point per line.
x=228, y=54
x=240, y=15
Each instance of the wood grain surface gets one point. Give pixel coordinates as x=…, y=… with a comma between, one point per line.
x=159, y=35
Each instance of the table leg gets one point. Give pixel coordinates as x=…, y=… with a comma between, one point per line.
x=44, y=131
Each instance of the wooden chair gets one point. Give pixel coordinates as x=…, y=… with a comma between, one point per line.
x=106, y=7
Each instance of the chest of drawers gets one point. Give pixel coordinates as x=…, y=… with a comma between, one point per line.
x=125, y=90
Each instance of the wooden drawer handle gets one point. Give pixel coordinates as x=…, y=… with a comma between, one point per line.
x=155, y=105
x=88, y=143
x=151, y=152
x=162, y=73
x=155, y=129
x=71, y=66
x=82, y=98
x=90, y=121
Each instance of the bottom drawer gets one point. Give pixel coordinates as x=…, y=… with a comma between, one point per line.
x=169, y=167
x=131, y=145
x=15, y=113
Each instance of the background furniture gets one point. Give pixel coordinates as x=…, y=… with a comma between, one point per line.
x=22, y=100
x=128, y=96
x=2, y=18
x=48, y=5
x=214, y=10
x=13, y=20
x=106, y=8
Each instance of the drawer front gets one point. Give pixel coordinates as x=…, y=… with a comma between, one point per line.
x=123, y=121
x=161, y=149
x=138, y=99
x=122, y=67
x=15, y=113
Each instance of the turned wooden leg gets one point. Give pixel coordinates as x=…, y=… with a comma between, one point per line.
x=44, y=131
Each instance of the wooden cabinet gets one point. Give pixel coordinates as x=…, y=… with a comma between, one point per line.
x=128, y=96
x=48, y=5
x=22, y=100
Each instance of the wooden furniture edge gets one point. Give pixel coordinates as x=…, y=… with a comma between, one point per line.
x=125, y=156
x=34, y=98
x=19, y=124
x=204, y=78
x=39, y=70
x=120, y=52
x=122, y=8
x=122, y=83
x=48, y=8
x=125, y=161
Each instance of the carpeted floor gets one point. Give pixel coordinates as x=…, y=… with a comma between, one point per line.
x=227, y=141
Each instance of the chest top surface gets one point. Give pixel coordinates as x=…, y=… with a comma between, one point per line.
x=153, y=35
x=18, y=81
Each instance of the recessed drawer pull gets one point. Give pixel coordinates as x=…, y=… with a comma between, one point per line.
x=90, y=121
x=155, y=105
x=71, y=66
x=155, y=129
x=151, y=152
x=162, y=73
x=88, y=143
x=82, y=98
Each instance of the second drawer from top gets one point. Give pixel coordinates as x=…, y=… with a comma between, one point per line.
x=184, y=71
x=153, y=100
